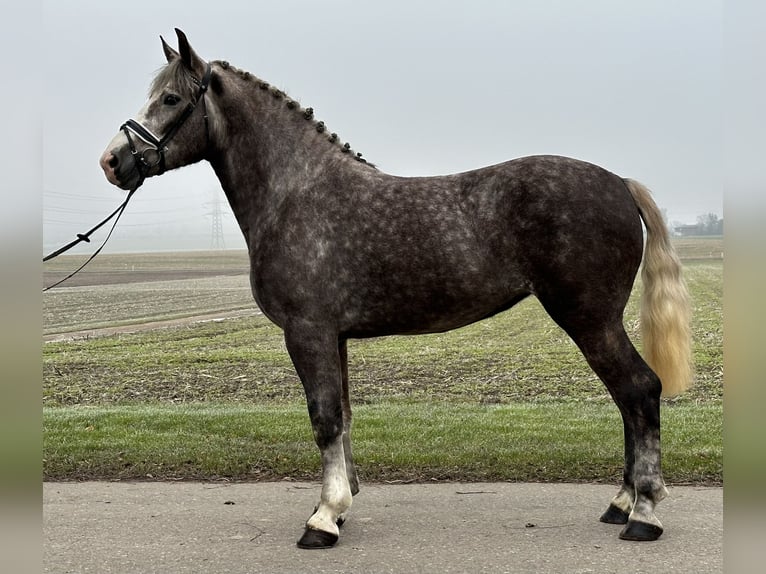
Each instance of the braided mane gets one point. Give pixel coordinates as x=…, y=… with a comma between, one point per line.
x=307, y=113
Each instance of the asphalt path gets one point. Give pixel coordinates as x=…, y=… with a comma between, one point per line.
x=169, y=528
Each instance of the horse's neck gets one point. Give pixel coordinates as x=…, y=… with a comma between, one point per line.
x=254, y=150
x=269, y=151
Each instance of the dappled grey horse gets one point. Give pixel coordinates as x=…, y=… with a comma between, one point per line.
x=340, y=250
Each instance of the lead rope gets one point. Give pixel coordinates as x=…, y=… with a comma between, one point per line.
x=86, y=238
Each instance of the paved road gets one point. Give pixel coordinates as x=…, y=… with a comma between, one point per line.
x=169, y=528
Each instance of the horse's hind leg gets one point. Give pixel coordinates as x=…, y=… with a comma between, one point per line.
x=636, y=391
x=315, y=354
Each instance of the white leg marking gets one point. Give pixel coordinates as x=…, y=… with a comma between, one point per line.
x=336, y=492
x=624, y=499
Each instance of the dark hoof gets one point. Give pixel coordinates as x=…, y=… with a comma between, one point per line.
x=641, y=531
x=317, y=539
x=614, y=515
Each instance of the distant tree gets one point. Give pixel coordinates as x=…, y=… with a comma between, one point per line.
x=710, y=224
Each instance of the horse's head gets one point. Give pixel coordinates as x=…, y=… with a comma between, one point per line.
x=171, y=130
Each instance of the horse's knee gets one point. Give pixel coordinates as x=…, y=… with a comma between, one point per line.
x=326, y=421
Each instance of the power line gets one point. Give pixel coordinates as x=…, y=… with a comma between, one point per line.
x=216, y=232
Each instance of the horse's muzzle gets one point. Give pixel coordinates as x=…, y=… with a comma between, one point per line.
x=119, y=168
x=109, y=163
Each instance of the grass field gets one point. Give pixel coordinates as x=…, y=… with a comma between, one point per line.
x=509, y=398
x=412, y=441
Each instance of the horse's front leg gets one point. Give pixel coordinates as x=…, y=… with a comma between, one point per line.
x=314, y=352
x=353, y=479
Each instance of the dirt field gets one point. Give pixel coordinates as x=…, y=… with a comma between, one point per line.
x=132, y=292
x=146, y=267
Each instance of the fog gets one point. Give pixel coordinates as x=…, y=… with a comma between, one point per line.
x=420, y=87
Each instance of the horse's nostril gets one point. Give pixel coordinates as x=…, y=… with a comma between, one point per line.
x=113, y=161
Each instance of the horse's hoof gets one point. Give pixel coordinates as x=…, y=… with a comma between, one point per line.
x=641, y=531
x=317, y=539
x=614, y=515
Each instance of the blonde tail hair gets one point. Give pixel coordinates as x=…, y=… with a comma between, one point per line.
x=665, y=309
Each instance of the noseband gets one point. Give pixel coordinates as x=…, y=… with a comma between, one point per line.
x=154, y=155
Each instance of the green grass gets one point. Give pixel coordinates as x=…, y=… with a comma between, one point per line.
x=393, y=442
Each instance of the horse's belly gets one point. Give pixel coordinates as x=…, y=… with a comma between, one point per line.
x=421, y=306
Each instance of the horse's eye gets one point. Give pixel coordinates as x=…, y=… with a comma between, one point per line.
x=171, y=100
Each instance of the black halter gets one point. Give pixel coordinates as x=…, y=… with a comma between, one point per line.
x=155, y=154
x=147, y=159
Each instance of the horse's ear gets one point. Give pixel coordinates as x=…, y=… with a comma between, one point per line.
x=170, y=53
x=188, y=56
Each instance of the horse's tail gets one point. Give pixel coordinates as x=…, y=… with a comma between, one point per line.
x=665, y=309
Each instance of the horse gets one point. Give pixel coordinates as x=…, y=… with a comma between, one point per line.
x=340, y=250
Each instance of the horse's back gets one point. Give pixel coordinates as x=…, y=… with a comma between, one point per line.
x=562, y=229
x=480, y=241
x=383, y=254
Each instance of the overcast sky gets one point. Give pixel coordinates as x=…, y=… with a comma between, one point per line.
x=420, y=87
